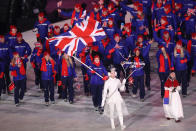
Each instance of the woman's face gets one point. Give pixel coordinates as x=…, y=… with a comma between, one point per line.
x=96, y=60
x=137, y=53
x=178, y=46
x=173, y=75
x=113, y=74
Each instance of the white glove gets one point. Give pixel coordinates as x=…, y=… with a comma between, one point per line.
x=124, y=81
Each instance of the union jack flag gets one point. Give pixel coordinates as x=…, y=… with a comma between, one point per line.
x=79, y=36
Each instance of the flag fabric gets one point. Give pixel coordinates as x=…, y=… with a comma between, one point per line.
x=79, y=36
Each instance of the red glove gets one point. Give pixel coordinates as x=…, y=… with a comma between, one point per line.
x=172, y=68
x=105, y=78
x=33, y=64
x=93, y=72
x=109, y=56
x=1, y=75
x=183, y=61
x=59, y=83
x=86, y=77
x=111, y=51
x=37, y=35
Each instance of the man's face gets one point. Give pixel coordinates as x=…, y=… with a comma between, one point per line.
x=113, y=74
x=162, y=22
x=96, y=9
x=178, y=46
x=66, y=28
x=110, y=22
x=173, y=75
x=2, y=40
x=47, y=57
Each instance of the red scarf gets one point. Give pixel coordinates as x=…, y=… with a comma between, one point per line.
x=110, y=26
x=73, y=16
x=162, y=62
x=112, y=11
x=22, y=70
x=56, y=33
x=168, y=11
x=140, y=45
x=41, y=22
x=137, y=60
x=187, y=17
x=92, y=16
x=64, y=68
x=12, y=34
x=39, y=51
x=44, y=67
x=140, y=17
x=105, y=42
x=189, y=46
x=167, y=41
x=97, y=64
x=159, y=5
x=178, y=51
x=1, y=75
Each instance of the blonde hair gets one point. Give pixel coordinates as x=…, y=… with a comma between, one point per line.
x=68, y=60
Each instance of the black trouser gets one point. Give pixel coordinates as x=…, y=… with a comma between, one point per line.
x=37, y=76
x=139, y=83
x=85, y=82
x=48, y=86
x=68, y=83
x=182, y=79
x=19, y=90
x=96, y=91
x=7, y=77
x=190, y=65
x=147, y=73
x=58, y=78
x=163, y=77
x=2, y=84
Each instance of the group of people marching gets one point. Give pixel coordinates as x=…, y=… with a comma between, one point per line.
x=170, y=23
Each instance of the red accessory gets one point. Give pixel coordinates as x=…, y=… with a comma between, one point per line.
x=160, y=46
x=111, y=50
x=22, y=69
x=1, y=75
x=168, y=8
x=137, y=60
x=159, y=5
x=43, y=65
x=116, y=35
x=179, y=51
x=64, y=68
x=189, y=44
x=105, y=78
x=193, y=35
x=140, y=36
x=165, y=19
x=179, y=42
x=19, y=35
x=1, y=36
x=136, y=49
x=162, y=62
x=12, y=27
x=78, y=6
x=92, y=16
x=33, y=64
x=46, y=53
x=59, y=83
x=96, y=6
x=183, y=61
x=86, y=77
x=131, y=80
x=111, y=5
x=11, y=86
x=93, y=72
x=105, y=42
x=41, y=14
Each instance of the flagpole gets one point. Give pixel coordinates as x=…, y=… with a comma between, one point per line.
x=86, y=66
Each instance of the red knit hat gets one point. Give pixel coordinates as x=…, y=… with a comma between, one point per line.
x=78, y=6
x=136, y=49
x=1, y=36
x=46, y=53
x=96, y=56
x=111, y=5
x=56, y=27
x=140, y=8
x=179, y=42
x=193, y=34
x=115, y=35
x=104, y=9
x=128, y=25
x=66, y=25
x=41, y=14
x=165, y=32
x=140, y=36
x=12, y=27
x=19, y=35
x=96, y=6
x=160, y=46
x=15, y=53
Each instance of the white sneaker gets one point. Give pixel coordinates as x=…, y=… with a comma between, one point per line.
x=123, y=127
x=134, y=96
x=113, y=128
